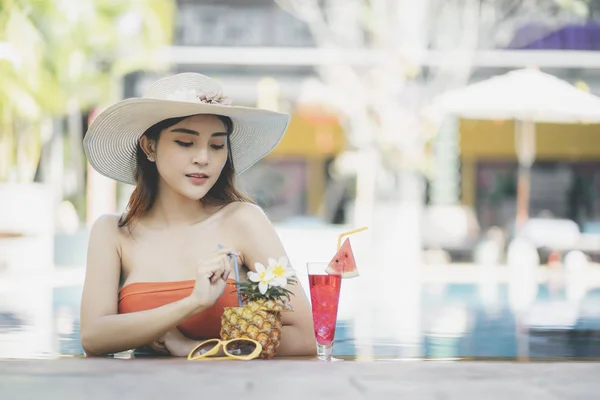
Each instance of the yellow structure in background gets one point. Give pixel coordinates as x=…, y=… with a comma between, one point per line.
x=313, y=137
x=494, y=140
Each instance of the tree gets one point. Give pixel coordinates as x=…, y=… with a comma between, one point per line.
x=61, y=57
x=503, y=18
x=382, y=102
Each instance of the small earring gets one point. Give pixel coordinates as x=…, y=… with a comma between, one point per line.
x=150, y=158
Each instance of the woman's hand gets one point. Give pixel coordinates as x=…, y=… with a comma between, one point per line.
x=177, y=344
x=158, y=346
x=212, y=277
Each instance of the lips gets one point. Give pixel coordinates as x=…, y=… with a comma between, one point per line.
x=199, y=176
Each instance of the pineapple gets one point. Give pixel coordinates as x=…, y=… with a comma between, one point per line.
x=265, y=298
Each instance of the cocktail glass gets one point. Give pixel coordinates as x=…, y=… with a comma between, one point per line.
x=324, y=296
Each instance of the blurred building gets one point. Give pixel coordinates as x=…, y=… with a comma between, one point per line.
x=566, y=173
x=264, y=57
x=215, y=38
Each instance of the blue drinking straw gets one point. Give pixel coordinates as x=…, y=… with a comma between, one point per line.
x=237, y=275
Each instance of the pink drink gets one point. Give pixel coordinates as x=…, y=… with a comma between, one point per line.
x=324, y=295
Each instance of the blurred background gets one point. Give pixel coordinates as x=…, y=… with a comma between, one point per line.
x=464, y=133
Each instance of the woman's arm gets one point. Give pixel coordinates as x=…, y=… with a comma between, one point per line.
x=258, y=241
x=103, y=330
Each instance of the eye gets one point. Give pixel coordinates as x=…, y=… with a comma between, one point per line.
x=183, y=144
x=218, y=146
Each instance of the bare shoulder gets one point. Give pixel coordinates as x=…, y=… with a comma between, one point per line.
x=106, y=229
x=246, y=215
x=253, y=234
x=107, y=223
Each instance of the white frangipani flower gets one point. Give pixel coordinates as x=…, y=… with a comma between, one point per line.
x=262, y=276
x=280, y=270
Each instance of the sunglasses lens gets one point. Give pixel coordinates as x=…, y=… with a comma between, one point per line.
x=241, y=347
x=204, y=348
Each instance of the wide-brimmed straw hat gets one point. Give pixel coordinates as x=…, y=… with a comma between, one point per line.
x=111, y=140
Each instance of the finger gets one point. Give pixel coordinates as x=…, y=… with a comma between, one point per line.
x=217, y=271
x=230, y=259
x=220, y=286
x=237, y=257
x=159, y=348
x=210, y=269
x=226, y=269
x=227, y=275
x=203, y=272
x=227, y=251
x=160, y=341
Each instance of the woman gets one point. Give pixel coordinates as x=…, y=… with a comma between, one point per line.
x=156, y=276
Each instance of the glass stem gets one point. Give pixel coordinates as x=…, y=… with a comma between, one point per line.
x=324, y=351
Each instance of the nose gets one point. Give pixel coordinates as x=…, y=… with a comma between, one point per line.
x=201, y=156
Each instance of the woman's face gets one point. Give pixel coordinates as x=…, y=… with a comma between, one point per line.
x=191, y=154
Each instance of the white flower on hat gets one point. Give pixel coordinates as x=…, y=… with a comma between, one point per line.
x=212, y=97
x=112, y=138
x=191, y=95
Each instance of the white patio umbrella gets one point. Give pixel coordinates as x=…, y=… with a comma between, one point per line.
x=526, y=96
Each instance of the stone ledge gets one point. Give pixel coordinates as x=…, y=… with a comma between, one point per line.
x=296, y=379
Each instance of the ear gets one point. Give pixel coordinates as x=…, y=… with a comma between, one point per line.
x=149, y=147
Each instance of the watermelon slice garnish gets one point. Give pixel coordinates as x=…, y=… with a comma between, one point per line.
x=343, y=263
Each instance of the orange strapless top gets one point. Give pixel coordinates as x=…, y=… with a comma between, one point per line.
x=142, y=296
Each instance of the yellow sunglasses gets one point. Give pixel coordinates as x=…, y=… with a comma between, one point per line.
x=239, y=349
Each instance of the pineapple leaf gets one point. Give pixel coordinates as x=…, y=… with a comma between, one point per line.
x=249, y=291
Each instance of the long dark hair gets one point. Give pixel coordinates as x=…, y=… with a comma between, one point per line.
x=222, y=193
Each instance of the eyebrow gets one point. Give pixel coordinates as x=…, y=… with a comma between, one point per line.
x=195, y=133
